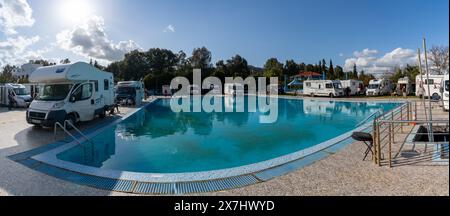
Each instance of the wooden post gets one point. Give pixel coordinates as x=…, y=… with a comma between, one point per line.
x=379, y=145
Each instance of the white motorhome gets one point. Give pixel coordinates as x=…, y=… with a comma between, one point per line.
x=445, y=89
x=328, y=88
x=233, y=88
x=434, y=81
x=75, y=92
x=356, y=87
x=404, y=85
x=130, y=92
x=22, y=97
x=379, y=87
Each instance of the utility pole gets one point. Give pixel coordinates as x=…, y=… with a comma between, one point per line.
x=430, y=136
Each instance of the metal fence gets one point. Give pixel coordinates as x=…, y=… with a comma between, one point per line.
x=394, y=132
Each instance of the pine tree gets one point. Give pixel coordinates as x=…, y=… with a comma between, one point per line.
x=331, y=71
x=355, y=72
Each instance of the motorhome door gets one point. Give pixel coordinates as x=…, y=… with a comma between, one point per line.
x=81, y=101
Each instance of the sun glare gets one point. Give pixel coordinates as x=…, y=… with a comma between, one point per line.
x=76, y=11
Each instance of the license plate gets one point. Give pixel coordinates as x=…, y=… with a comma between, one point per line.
x=36, y=121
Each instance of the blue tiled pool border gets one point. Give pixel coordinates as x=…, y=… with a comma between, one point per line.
x=44, y=159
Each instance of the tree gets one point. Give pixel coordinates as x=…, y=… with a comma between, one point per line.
x=42, y=62
x=397, y=75
x=330, y=71
x=355, y=72
x=302, y=67
x=339, y=71
x=134, y=66
x=201, y=58
x=115, y=68
x=324, y=66
x=98, y=66
x=7, y=74
x=439, y=56
x=310, y=68
x=366, y=78
x=291, y=68
x=221, y=71
x=238, y=67
x=273, y=68
x=66, y=61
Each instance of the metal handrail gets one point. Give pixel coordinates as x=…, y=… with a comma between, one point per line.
x=66, y=122
x=368, y=118
x=64, y=128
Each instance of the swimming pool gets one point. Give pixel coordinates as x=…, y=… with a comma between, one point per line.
x=157, y=140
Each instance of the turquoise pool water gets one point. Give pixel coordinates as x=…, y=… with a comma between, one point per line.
x=157, y=140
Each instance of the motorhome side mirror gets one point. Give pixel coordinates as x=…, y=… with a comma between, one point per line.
x=441, y=89
x=72, y=99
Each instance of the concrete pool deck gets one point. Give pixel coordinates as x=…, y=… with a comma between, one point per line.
x=342, y=173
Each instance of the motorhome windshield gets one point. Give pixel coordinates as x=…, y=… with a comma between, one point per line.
x=126, y=90
x=20, y=91
x=54, y=92
x=373, y=86
x=337, y=85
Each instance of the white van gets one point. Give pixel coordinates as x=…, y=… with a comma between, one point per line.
x=130, y=92
x=356, y=87
x=328, y=88
x=378, y=87
x=75, y=92
x=445, y=88
x=434, y=81
x=21, y=96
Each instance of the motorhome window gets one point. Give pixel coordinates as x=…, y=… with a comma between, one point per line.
x=96, y=84
x=54, y=92
x=430, y=81
x=328, y=86
x=106, y=84
x=20, y=91
x=308, y=84
x=83, y=93
x=446, y=85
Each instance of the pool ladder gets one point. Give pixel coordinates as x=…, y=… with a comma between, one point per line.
x=64, y=128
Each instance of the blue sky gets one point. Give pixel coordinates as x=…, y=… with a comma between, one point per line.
x=375, y=34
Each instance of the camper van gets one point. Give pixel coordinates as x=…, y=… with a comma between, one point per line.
x=379, y=87
x=234, y=89
x=328, y=88
x=22, y=97
x=445, y=88
x=130, y=92
x=76, y=92
x=434, y=81
x=404, y=83
x=356, y=87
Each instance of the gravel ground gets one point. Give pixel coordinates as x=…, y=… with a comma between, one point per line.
x=343, y=173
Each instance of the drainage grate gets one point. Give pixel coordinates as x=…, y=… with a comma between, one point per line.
x=154, y=188
x=215, y=185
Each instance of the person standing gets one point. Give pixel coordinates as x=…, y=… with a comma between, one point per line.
x=10, y=99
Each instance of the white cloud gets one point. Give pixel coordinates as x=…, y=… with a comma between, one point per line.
x=16, y=50
x=341, y=54
x=169, y=28
x=369, y=60
x=91, y=41
x=15, y=13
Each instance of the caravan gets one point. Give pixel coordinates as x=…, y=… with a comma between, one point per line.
x=22, y=97
x=434, y=81
x=328, y=88
x=445, y=89
x=130, y=92
x=74, y=92
x=379, y=87
x=356, y=87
